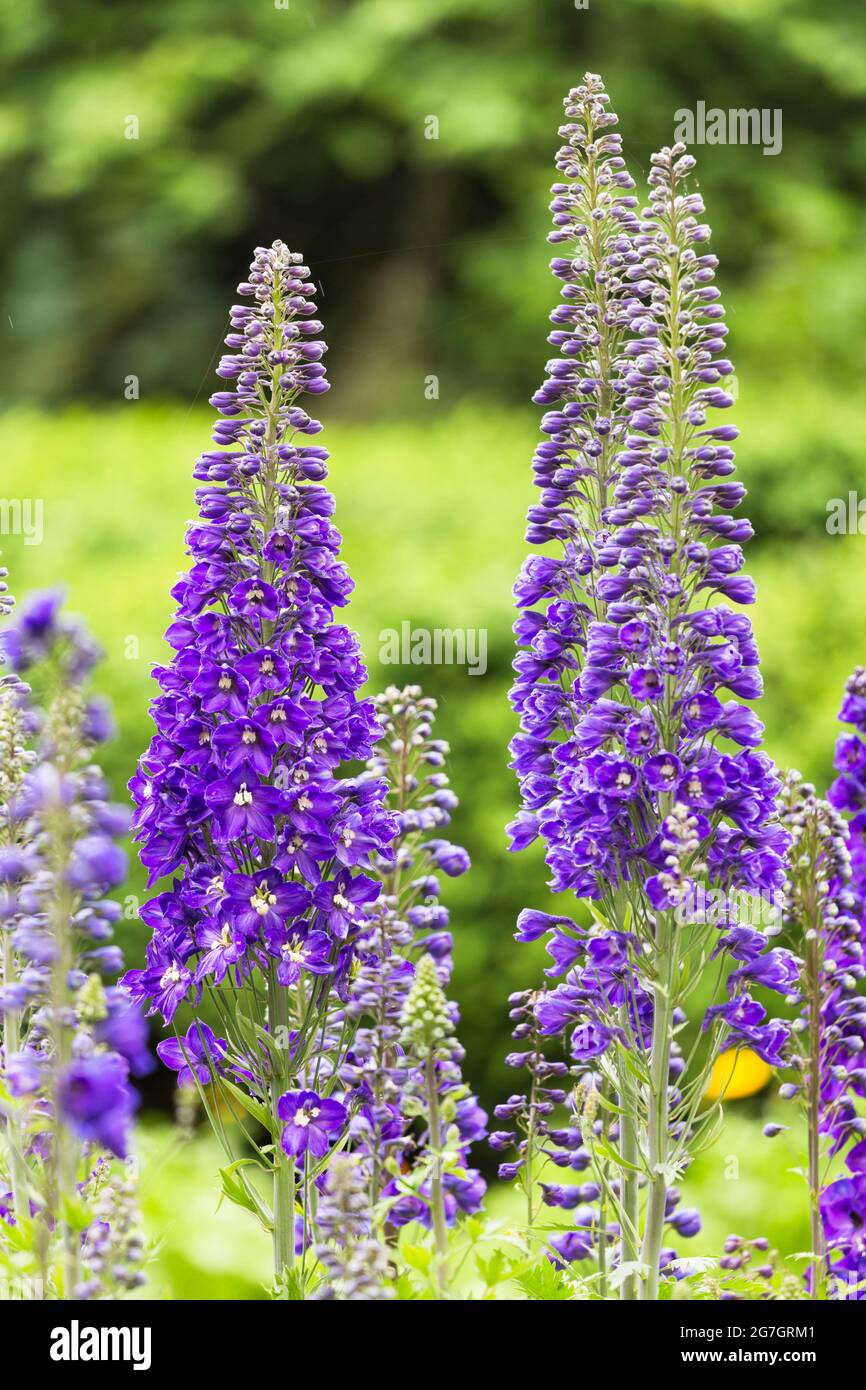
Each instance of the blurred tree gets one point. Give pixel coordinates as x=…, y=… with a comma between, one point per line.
x=406, y=149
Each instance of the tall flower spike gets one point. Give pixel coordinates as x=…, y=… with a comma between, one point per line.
x=70, y=1039
x=825, y=1048
x=240, y=793
x=642, y=781
x=407, y=921
x=848, y=792
x=355, y=1265
x=575, y=467
x=427, y=1033
x=843, y=1202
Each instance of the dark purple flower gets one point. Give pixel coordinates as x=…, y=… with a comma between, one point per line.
x=296, y=948
x=244, y=806
x=196, y=1054
x=340, y=901
x=96, y=1101
x=264, y=900
x=308, y=1122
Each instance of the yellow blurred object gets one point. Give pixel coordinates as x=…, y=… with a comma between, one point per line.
x=738, y=1074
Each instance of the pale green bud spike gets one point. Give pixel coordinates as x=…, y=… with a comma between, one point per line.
x=427, y=1030
x=90, y=1001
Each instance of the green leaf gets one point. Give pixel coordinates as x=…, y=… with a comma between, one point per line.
x=239, y=1191
x=253, y=1107
x=613, y=1155
x=544, y=1283
x=494, y=1270
x=417, y=1257
x=292, y=1286
x=74, y=1213
x=622, y=1272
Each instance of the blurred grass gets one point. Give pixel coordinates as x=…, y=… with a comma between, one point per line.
x=203, y=1250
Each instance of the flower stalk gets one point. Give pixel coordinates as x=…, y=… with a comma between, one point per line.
x=70, y=1039
x=240, y=796
x=624, y=751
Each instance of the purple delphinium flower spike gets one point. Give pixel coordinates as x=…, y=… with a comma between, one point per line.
x=637, y=770
x=354, y=1264
x=842, y=1034
x=240, y=796
x=407, y=921
x=825, y=1048
x=70, y=1039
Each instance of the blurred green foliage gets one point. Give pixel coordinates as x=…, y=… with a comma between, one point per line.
x=310, y=122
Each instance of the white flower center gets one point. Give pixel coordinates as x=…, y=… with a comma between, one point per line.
x=262, y=901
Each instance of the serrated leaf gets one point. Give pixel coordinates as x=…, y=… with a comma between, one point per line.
x=544, y=1283
x=494, y=1270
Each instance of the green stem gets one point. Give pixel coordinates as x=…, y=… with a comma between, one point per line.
x=284, y=1166
x=12, y=1044
x=437, y=1198
x=284, y=1215
x=529, y=1163
x=657, y=1107
x=813, y=1107
x=628, y=1289
x=64, y=1162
